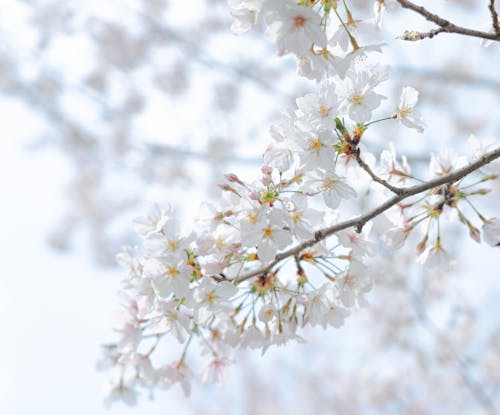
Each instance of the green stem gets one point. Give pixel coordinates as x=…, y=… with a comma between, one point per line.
x=353, y=41
x=379, y=120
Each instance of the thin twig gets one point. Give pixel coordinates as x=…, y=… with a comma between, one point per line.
x=375, y=178
x=431, y=33
x=494, y=17
x=360, y=221
x=446, y=25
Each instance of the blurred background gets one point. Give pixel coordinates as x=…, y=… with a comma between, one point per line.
x=106, y=106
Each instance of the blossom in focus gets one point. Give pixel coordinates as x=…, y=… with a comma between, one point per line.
x=296, y=28
x=406, y=113
x=357, y=98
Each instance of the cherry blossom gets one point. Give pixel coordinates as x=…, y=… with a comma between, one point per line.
x=295, y=28
x=288, y=248
x=406, y=109
x=357, y=97
x=491, y=231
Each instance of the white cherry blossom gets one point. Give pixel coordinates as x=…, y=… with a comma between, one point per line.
x=479, y=148
x=357, y=98
x=332, y=187
x=319, y=109
x=154, y=221
x=212, y=299
x=435, y=257
x=268, y=235
x=303, y=220
x=491, y=232
x=406, y=113
x=316, y=148
x=445, y=162
x=294, y=27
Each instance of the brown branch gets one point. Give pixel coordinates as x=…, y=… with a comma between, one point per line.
x=446, y=25
x=431, y=33
x=375, y=178
x=360, y=221
x=494, y=17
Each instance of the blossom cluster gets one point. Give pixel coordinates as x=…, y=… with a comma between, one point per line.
x=238, y=280
x=450, y=202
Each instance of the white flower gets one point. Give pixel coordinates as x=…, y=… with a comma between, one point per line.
x=129, y=259
x=215, y=370
x=319, y=109
x=479, y=148
x=359, y=29
x=406, y=113
x=377, y=73
x=315, y=65
x=335, y=316
x=244, y=20
x=349, y=61
x=267, y=233
x=357, y=242
x=273, y=238
x=127, y=324
x=357, y=97
x=278, y=156
x=222, y=240
x=154, y=221
x=491, y=232
x=379, y=8
x=144, y=368
x=172, y=319
x=245, y=4
x=355, y=282
x=445, y=162
x=176, y=372
x=245, y=13
x=130, y=335
x=280, y=334
x=253, y=338
x=435, y=257
x=317, y=306
x=390, y=167
x=267, y=312
x=296, y=28
x=333, y=188
x=303, y=220
x=166, y=244
x=121, y=391
x=316, y=148
x=212, y=299
x=168, y=278
x=395, y=237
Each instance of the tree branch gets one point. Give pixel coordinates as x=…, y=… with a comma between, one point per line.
x=448, y=26
x=360, y=221
x=375, y=178
x=494, y=17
